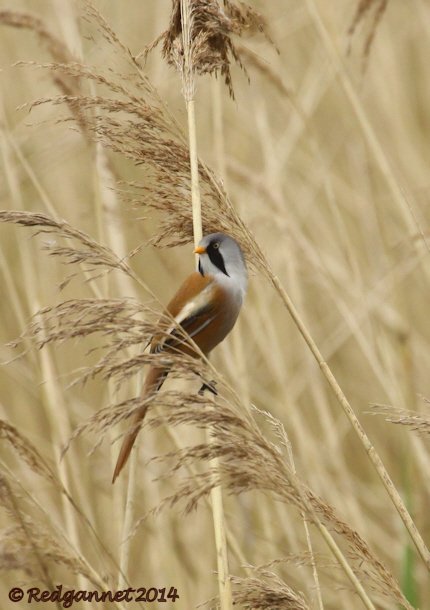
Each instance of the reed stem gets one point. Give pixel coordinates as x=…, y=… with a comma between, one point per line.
x=349, y=412
x=224, y=584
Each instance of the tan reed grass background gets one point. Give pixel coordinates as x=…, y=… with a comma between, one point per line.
x=325, y=157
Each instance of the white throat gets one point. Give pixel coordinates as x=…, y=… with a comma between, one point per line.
x=236, y=279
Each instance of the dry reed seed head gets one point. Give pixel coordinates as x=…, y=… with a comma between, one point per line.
x=104, y=420
x=304, y=558
x=210, y=45
x=55, y=46
x=140, y=130
x=121, y=320
x=8, y=494
x=93, y=16
x=122, y=324
x=249, y=461
x=35, y=550
x=416, y=422
x=265, y=69
x=366, y=561
x=12, y=556
x=69, y=85
x=33, y=546
x=84, y=249
x=266, y=591
x=363, y=8
x=22, y=447
x=133, y=122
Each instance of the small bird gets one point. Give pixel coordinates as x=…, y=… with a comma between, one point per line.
x=206, y=306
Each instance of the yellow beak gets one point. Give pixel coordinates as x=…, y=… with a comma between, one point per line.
x=199, y=250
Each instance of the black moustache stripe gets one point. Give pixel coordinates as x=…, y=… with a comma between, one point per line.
x=216, y=258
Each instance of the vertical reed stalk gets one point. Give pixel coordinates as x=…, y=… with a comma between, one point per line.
x=216, y=493
x=224, y=583
x=195, y=189
x=189, y=92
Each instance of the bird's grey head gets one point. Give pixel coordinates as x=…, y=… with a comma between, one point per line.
x=221, y=256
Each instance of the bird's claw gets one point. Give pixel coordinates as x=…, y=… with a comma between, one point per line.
x=210, y=387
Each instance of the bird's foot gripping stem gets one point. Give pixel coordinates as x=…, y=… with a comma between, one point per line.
x=210, y=386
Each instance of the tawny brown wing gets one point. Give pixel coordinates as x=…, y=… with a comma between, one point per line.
x=191, y=287
x=192, y=324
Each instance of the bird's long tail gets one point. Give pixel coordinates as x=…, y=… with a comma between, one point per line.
x=153, y=382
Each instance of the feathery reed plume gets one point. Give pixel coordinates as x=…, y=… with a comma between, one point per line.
x=36, y=546
x=33, y=23
x=132, y=121
x=247, y=461
x=25, y=451
x=363, y=8
x=83, y=249
x=211, y=48
x=28, y=454
x=21, y=552
x=417, y=422
x=115, y=321
x=123, y=323
x=69, y=85
x=264, y=68
x=266, y=591
x=134, y=124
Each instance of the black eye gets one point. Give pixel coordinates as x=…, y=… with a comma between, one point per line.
x=216, y=245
